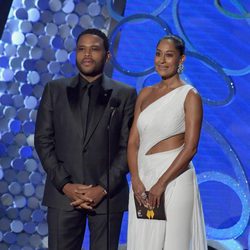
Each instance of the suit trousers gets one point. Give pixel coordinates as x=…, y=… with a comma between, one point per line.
x=67, y=228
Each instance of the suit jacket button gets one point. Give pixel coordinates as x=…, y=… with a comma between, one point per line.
x=84, y=150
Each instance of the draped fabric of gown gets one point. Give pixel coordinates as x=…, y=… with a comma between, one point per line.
x=184, y=228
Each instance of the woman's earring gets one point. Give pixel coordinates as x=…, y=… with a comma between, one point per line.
x=180, y=68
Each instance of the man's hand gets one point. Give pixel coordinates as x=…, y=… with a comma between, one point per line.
x=70, y=189
x=92, y=195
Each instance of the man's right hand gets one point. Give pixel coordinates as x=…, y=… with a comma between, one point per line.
x=69, y=190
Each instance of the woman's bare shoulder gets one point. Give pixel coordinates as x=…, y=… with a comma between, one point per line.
x=148, y=90
x=144, y=92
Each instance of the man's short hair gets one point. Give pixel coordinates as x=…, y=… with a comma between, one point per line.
x=97, y=33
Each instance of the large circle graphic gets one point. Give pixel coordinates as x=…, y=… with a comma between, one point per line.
x=116, y=30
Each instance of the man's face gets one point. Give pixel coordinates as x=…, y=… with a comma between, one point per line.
x=91, y=55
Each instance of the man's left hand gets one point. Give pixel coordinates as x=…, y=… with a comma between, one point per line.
x=95, y=194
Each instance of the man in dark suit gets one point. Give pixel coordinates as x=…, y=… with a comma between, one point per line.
x=72, y=141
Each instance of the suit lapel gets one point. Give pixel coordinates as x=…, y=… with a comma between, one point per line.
x=100, y=106
x=73, y=95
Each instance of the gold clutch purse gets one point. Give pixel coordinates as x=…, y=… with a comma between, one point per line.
x=158, y=213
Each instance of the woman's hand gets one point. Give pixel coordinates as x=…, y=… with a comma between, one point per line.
x=139, y=190
x=155, y=193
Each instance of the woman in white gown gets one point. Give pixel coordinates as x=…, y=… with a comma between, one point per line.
x=163, y=140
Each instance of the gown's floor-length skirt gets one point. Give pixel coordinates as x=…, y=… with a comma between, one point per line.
x=184, y=227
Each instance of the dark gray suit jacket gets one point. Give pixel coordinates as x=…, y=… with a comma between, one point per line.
x=66, y=157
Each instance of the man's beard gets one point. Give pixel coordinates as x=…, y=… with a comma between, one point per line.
x=94, y=72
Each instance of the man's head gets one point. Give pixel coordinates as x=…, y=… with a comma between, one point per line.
x=97, y=33
x=92, y=52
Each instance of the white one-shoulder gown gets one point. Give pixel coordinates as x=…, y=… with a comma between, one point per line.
x=184, y=228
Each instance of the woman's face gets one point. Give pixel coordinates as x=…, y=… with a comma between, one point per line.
x=167, y=59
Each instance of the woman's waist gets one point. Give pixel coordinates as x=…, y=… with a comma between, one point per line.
x=163, y=153
x=157, y=162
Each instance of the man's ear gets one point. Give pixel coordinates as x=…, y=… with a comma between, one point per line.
x=108, y=56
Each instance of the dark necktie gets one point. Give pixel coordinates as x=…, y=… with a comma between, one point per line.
x=85, y=108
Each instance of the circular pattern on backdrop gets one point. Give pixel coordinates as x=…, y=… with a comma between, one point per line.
x=238, y=185
x=115, y=31
x=219, y=70
x=190, y=46
x=239, y=227
x=244, y=14
x=119, y=18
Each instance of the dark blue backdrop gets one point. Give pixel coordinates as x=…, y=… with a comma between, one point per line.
x=216, y=35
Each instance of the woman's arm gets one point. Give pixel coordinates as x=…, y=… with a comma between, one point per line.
x=132, y=151
x=193, y=120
